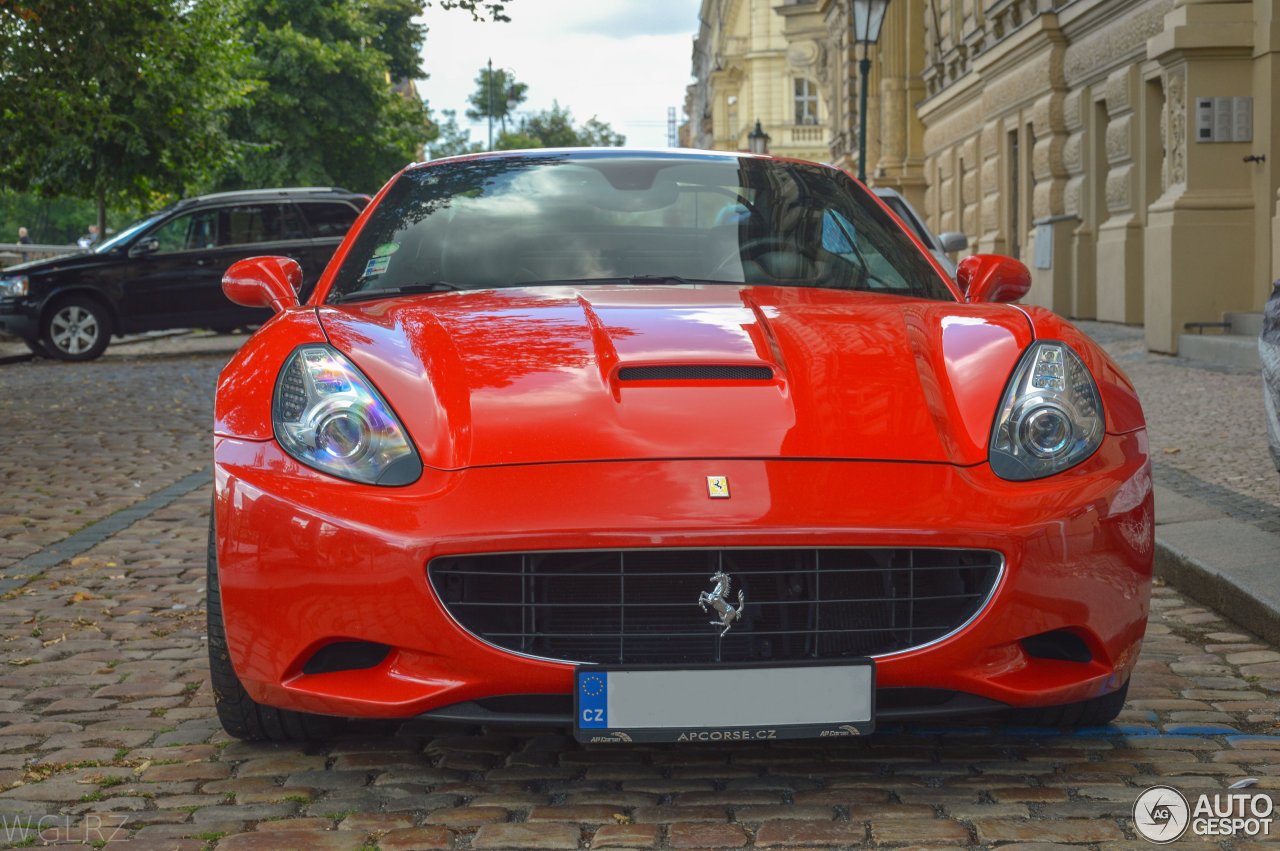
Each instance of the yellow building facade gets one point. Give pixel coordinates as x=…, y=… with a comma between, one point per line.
x=1123, y=149
x=747, y=71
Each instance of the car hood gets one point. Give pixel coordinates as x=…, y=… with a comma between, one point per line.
x=537, y=375
x=54, y=264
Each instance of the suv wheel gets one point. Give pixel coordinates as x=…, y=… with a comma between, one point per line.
x=76, y=329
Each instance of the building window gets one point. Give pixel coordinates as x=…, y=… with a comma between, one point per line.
x=806, y=100
x=732, y=103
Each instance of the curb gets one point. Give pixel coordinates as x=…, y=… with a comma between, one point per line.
x=1235, y=597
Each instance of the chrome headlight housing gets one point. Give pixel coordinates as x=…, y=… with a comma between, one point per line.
x=327, y=415
x=1050, y=418
x=14, y=286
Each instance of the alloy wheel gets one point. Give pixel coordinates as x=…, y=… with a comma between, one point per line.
x=74, y=330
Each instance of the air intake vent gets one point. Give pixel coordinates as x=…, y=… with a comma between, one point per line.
x=695, y=372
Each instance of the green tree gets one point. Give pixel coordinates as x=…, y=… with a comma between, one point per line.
x=479, y=9
x=117, y=99
x=553, y=128
x=324, y=110
x=399, y=36
x=497, y=94
x=452, y=139
x=597, y=134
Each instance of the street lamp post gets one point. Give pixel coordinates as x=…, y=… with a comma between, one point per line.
x=509, y=92
x=868, y=16
x=758, y=140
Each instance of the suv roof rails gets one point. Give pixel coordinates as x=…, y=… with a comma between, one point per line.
x=274, y=191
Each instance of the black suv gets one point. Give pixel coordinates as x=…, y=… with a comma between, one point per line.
x=166, y=271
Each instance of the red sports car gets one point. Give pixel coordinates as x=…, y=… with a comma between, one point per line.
x=666, y=446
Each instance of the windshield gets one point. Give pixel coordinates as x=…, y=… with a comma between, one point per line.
x=584, y=217
x=124, y=235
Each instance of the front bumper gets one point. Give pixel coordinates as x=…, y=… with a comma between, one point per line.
x=306, y=560
x=19, y=317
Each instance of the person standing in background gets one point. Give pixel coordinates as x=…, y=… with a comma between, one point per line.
x=23, y=237
x=89, y=239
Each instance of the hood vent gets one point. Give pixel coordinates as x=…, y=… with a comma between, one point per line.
x=695, y=372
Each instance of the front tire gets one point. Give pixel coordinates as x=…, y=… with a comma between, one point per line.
x=76, y=329
x=242, y=716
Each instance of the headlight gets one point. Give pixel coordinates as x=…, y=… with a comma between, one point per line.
x=13, y=286
x=1050, y=418
x=328, y=416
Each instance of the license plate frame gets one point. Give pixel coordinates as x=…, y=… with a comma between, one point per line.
x=622, y=703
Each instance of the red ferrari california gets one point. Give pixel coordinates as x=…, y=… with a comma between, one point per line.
x=666, y=446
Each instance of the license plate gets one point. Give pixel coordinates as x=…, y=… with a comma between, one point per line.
x=724, y=703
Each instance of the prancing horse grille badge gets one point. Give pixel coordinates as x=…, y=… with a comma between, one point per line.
x=718, y=599
x=718, y=487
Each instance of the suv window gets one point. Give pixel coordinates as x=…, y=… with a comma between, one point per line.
x=191, y=232
x=246, y=224
x=329, y=219
x=903, y=213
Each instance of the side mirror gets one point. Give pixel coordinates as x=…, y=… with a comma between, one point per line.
x=992, y=278
x=952, y=241
x=264, y=282
x=142, y=247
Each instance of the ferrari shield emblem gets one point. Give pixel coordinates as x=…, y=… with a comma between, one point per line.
x=718, y=487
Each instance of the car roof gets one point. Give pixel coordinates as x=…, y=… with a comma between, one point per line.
x=672, y=153
x=290, y=192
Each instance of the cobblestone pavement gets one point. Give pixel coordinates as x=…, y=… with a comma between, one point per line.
x=107, y=729
x=1208, y=430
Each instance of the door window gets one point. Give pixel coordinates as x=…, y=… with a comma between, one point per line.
x=192, y=232
x=841, y=239
x=329, y=220
x=246, y=224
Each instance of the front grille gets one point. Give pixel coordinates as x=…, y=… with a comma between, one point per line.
x=695, y=372
x=641, y=606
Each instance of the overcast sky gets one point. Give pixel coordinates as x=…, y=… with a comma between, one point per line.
x=624, y=61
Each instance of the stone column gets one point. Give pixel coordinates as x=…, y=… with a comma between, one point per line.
x=1121, y=234
x=1078, y=196
x=1052, y=227
x=1199, y=245
x=990, y=238
x=900, y=164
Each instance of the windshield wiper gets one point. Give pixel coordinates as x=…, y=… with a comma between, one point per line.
x=407, y=289
x=638, y=280
x=659, y=279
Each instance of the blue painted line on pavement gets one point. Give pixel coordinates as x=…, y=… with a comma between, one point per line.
x=1199, y=730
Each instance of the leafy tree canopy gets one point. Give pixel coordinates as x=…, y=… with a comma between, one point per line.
x=133, y=102
x=115, y=99
x=480, y=9
x=497, y=94
x=452, y=139
x=553, y=128
x=324, y=111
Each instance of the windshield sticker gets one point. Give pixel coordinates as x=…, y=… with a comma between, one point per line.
x=377, y=266
x=386, y=249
